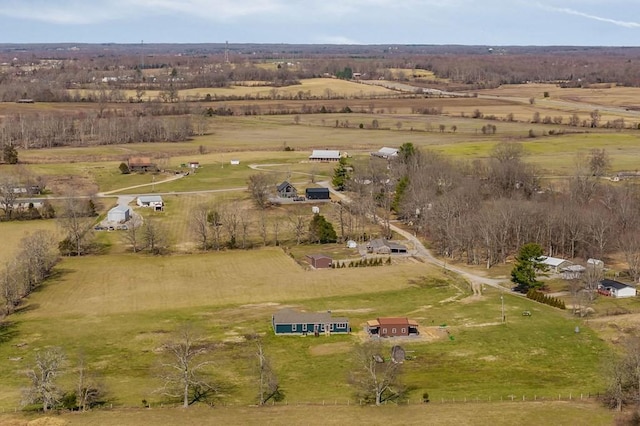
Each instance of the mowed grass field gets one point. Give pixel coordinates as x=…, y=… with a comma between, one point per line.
x=471, y=414
x=118, y=309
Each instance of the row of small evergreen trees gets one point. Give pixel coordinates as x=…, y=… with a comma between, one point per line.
x=547, y=300
x=362, y=263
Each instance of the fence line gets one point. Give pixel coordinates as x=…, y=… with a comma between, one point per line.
x=570, y=397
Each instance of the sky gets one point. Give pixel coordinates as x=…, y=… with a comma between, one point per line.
x=466, y=22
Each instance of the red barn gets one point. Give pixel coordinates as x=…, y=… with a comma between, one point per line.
x=392, y=327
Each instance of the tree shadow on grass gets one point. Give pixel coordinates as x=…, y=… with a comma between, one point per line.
x=8, y=331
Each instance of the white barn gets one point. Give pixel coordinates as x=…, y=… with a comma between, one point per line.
x=154, y=201
x=325, y=155
x=554, y=264
x=119, y=214
x=616, y=289
x=386, y=153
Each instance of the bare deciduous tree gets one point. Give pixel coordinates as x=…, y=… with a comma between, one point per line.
x=260, y=186
x=376, y=380
x=184, y=368
x=199, y=224
x=89, y=390
x=299, y=226
x=43, y=388
x=76, y=222
x=269, y=385
x=132, y=234
x=153, y=236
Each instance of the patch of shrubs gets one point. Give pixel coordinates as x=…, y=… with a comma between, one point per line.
x=547, y=300
x=362, y=263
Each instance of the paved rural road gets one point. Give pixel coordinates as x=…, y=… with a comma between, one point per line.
x=422, y=252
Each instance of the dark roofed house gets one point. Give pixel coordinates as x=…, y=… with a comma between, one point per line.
x=317, y=194
x=392, y=327
x=616, y=289
x=286, y=190
x=288, y=321
x=142, y=164
x=319, y=261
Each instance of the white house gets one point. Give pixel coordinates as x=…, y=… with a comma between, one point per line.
x=554, y=264
x=119, y=214
x=325, y=155
x=616, y=289
x=154, y=201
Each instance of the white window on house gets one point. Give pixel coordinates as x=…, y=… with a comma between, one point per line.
x=321, y=327
x=304, y=327
x=393, y=331
x=332, y=326
x=294, y=327
x=384, y=331
x=404, y=331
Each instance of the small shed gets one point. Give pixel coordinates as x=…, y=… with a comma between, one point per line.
x=616, y=289
x=234, y=162
x=290, y=322
x=153, y=201
x=324, y=155
x=317, y=194
x=286, y=190
x=573, y=272
x=595, y=263
x=319, y=261
x=392, y=327
x=352, y=244
x=119, y=214
x=194, y=164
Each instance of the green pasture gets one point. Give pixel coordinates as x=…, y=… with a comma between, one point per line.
x=13, y=232
x=118, y=309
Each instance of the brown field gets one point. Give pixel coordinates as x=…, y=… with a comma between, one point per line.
x=13, y=232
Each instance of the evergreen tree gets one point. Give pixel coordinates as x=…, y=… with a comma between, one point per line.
x=341, y=175
x=528, y=263
x=9, y=154
x=401, y=188
x=321, y=231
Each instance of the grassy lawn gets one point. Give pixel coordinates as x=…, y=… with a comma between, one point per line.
x=15, y=231
x=496, y=414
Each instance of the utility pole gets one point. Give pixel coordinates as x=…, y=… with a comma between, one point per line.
x=504, y=319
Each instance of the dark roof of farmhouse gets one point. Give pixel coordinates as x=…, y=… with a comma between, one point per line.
x=289, y=316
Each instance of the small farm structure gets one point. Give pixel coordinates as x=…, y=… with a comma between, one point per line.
x=324, y=155
x=573, y=272
x=555, y=264
x=119, y=214
x=153, y=201
x=286, y=190
x=595, y=263
x=234, y=162
x=392, y=327
x=290, y=322
x=616, y=289
x=382, y=246
x=352, y=244
x=317, y=194
x=142, y=165
x=194, y=164
x=319, y=261
x=386, y=153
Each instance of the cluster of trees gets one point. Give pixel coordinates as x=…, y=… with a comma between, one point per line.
x=484, y=211
x=36, y=256
x=185, y=369
x=547, y=300
x=46, y=131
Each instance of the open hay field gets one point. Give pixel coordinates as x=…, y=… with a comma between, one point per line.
x=13, y=232
x=132, y=302
x=315, y=87
x=495, y=414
